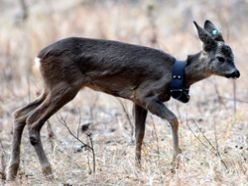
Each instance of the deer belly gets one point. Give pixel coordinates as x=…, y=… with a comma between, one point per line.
x=114, y=89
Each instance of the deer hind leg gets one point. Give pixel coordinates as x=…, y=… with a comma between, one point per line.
x=22, y=112
x=19, y=123
x=55, y=99
x=140, y=118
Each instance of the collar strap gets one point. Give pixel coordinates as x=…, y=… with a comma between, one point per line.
x=178, y=90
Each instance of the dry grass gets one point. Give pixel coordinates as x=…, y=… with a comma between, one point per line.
x=213, y=136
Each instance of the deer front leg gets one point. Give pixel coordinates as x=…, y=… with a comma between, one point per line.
x=158, y=108
x=140, y=118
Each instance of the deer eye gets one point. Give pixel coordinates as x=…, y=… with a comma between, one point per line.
x=221, y=59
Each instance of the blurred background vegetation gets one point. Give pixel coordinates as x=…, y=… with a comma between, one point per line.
x=29, y=25
x=214, y=124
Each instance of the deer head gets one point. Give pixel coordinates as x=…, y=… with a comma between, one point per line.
x=217, y=57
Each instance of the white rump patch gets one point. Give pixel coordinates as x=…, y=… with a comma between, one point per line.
x=37, y=61
x=36, y=65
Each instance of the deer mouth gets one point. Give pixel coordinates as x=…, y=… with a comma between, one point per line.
x=233, y=75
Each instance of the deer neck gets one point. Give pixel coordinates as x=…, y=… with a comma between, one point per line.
x=195, y=69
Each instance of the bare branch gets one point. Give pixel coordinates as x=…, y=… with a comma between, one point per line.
x=93, y=152
x=24, y=8
x=63, y=121
x=79, y=122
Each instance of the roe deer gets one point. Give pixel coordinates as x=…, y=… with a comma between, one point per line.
x=137, y=73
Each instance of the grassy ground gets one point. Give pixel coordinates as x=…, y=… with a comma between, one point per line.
x=213, y=126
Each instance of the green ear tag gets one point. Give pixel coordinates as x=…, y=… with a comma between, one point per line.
x=215, y=32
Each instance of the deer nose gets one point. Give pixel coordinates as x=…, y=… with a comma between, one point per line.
x=235, y=74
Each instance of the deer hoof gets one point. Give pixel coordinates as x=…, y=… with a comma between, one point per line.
x=175, y=162
x=12, y=172
x=47, y=171
x=179, y=151
x=138, y=164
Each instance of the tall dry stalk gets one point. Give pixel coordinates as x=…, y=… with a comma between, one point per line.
x=234, y=98
x=150, y=13
x=2, y=161
x=129, y=121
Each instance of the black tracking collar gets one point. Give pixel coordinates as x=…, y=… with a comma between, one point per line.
x=178, y=90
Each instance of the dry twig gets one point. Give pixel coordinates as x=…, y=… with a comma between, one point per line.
x=63, y=121
x=3, y=160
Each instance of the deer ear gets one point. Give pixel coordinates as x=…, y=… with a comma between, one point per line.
x=213, y=31
x=205, y=37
